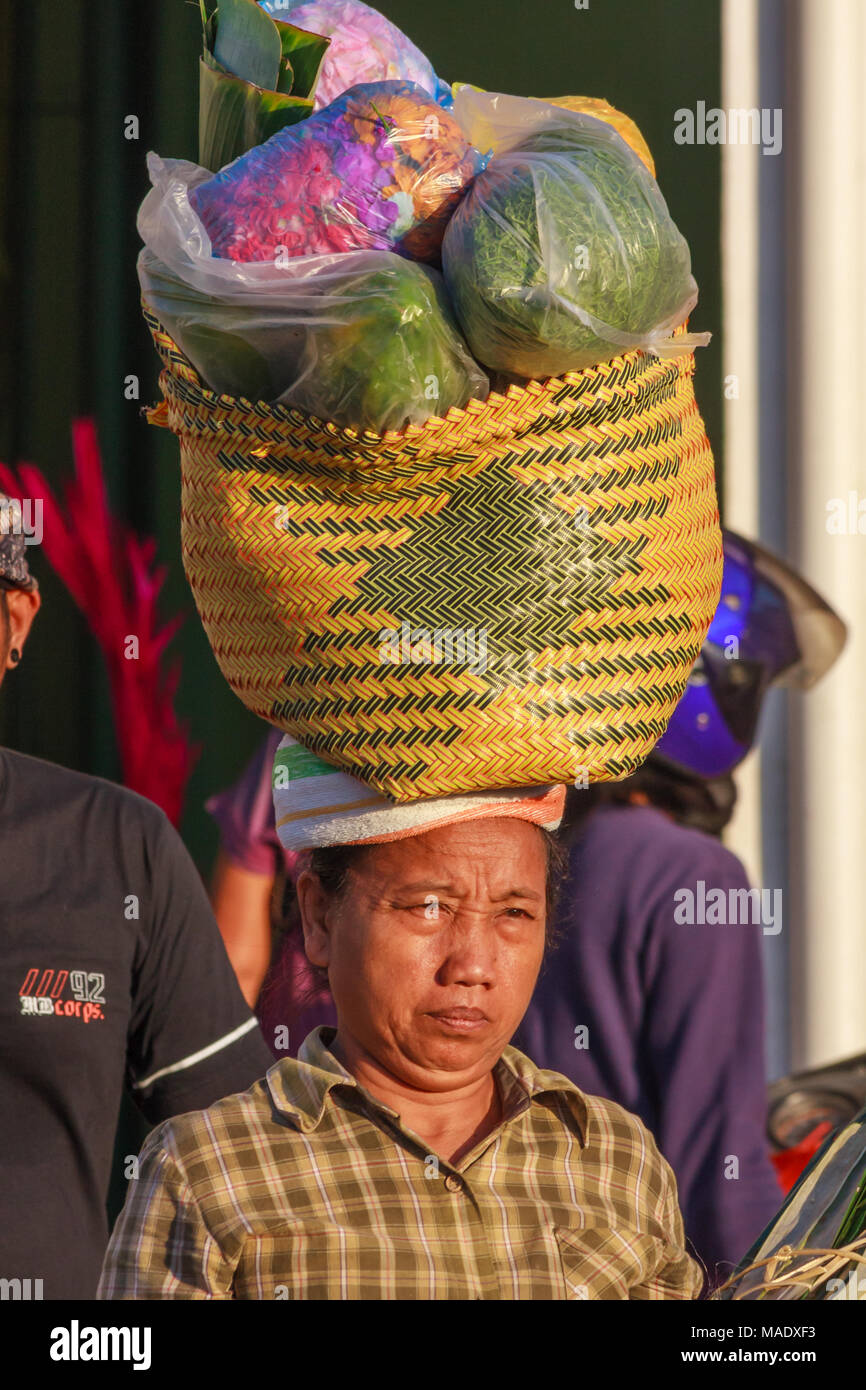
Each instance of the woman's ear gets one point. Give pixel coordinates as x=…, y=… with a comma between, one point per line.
x=23, y=605
x=313, y=903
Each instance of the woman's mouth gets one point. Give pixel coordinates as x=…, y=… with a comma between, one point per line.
x=461, y=1020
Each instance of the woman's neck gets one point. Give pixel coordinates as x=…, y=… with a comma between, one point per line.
x=452, y=1122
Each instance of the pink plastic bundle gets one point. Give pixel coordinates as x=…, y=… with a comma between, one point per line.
x=365, y=47
x=381, y=168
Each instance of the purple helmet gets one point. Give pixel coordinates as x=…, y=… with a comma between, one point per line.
x=770, y=628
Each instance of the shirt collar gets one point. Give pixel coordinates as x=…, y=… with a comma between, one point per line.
x=300, y=1088
x=520, y=1077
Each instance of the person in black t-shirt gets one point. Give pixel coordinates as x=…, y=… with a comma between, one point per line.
x=112, y=973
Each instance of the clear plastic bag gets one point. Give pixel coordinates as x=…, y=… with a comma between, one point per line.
x=365, y=47
x=381, y=168
x=365, y=339
x=563, y=253
x=497, y=130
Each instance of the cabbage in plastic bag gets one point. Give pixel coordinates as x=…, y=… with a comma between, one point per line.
x=366, y=340
x=382, y=167
x=365, y=47
x=563, y=254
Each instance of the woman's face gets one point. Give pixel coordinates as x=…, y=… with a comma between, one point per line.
x=434, y=947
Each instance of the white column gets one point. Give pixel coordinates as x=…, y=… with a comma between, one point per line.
x=828, y=438
x=740, y=270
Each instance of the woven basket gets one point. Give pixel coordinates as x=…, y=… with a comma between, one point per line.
x=569, y=528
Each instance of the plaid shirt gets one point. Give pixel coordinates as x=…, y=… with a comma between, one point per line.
x=306, y=1186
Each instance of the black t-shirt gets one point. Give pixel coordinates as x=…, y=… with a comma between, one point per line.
x=112, y=971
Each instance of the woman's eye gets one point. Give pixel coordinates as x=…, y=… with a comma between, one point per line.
x=431, y=909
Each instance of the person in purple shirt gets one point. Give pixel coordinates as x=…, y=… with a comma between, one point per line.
x=636, y=1002
x=251, y=868
x=654, y=994
x=665, y=1017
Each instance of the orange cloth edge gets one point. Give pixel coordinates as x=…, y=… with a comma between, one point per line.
x=539, y=810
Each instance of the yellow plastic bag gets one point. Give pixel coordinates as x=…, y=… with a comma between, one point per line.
x=590, y=106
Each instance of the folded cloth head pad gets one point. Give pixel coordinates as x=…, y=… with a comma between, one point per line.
x=317, y=806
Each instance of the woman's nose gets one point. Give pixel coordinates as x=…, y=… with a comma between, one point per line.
x=469, y=955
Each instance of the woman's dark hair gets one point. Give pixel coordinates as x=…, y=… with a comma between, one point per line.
x=699, y=803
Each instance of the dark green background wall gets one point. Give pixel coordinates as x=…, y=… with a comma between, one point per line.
x=70, y=329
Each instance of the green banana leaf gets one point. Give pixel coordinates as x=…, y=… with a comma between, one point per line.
x=286, y=79
x=256, y=76
x=303, y=54
x=247, y=43
x=233, y=115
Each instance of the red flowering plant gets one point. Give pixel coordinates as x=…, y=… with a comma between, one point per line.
x=111, y=575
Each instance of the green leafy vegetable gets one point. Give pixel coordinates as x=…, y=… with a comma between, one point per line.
x=374, y=349
x=564, y=254
x=394, y=357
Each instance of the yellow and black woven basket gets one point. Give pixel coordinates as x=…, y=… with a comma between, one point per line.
x=511, y=595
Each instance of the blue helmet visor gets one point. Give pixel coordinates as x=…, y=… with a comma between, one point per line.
x=751, y=643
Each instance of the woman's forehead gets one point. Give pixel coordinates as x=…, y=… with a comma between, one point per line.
x=495, y=849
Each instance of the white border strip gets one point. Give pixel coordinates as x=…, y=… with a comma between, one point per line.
x=828, y=422
x=195, y=1057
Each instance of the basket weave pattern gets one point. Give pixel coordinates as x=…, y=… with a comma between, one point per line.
x=573, y=521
